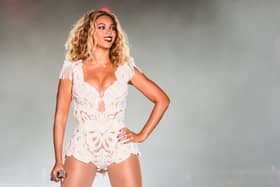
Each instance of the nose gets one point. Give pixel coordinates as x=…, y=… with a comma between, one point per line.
x=108, y=31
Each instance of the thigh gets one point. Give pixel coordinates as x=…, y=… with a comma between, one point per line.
x=126, y=173
x=78, y=173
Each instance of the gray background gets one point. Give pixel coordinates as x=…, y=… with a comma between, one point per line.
x=218, y=60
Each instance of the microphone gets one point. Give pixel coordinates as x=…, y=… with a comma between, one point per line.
x=61, y=174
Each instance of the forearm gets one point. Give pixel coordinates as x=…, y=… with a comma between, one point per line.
x=58, y=133
x=156, y=115
x=58, y=137
x=63, y=101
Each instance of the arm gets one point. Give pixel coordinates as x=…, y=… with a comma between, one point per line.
x=63, y=100
x=156, y=95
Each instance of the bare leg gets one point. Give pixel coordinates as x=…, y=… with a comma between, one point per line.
x=78, y=173
x=126, y=173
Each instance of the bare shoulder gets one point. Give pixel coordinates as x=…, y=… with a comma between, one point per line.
x=138, y=78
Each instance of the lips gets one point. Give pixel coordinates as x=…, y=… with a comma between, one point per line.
x=108, y=38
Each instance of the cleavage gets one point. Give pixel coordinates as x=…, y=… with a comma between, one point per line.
x=99, y=78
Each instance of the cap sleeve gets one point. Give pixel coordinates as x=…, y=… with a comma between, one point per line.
x=128, y=70
x=66, y=70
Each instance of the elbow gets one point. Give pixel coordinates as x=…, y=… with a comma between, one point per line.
x=166, y=101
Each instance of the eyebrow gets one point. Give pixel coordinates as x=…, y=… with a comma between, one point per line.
x=105, y=24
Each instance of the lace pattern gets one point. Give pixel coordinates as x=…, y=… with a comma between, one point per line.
x=95, y=136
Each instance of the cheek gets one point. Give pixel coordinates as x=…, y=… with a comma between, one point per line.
x=97, y=35
x=114, y=36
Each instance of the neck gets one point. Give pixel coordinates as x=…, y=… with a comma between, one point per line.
x=101, y=56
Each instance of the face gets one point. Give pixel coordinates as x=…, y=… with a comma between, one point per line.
x=105, y=32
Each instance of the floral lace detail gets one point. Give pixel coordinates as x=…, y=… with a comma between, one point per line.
x=95, y=136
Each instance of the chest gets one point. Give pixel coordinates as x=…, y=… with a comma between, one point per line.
x=94, y=85
x=99, y=78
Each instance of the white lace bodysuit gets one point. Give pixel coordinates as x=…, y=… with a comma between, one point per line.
x=95, y=134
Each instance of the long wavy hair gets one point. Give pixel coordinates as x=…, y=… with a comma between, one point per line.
x=80, y=43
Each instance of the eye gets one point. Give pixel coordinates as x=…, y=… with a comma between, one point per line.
x=101, y=27
x=113, y=28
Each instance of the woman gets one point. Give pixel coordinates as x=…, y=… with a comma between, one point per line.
x=95, y=78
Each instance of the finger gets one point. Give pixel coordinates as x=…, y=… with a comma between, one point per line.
x=56, y=179
x=53, y=179
x=125, y=141
x=122, y=137
x=128, y=140
x=59, y=179
x=121, y=133
x=129, y=136
x=54, y=175
x=124, y=134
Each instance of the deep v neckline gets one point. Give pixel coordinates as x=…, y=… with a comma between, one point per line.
x=107, y=88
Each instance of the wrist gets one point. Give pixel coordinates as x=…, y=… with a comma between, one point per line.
x=143, y=136
x=58, y=163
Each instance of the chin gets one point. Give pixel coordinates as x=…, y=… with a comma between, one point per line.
x=108, y=46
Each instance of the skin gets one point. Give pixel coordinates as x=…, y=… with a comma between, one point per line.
x=99, y=72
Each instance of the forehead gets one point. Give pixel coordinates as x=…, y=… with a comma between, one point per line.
x=104, y=19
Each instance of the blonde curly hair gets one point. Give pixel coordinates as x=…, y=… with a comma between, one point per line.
x=80, y=43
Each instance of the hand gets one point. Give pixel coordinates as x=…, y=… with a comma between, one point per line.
x=126, y=136
x=55, y=170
